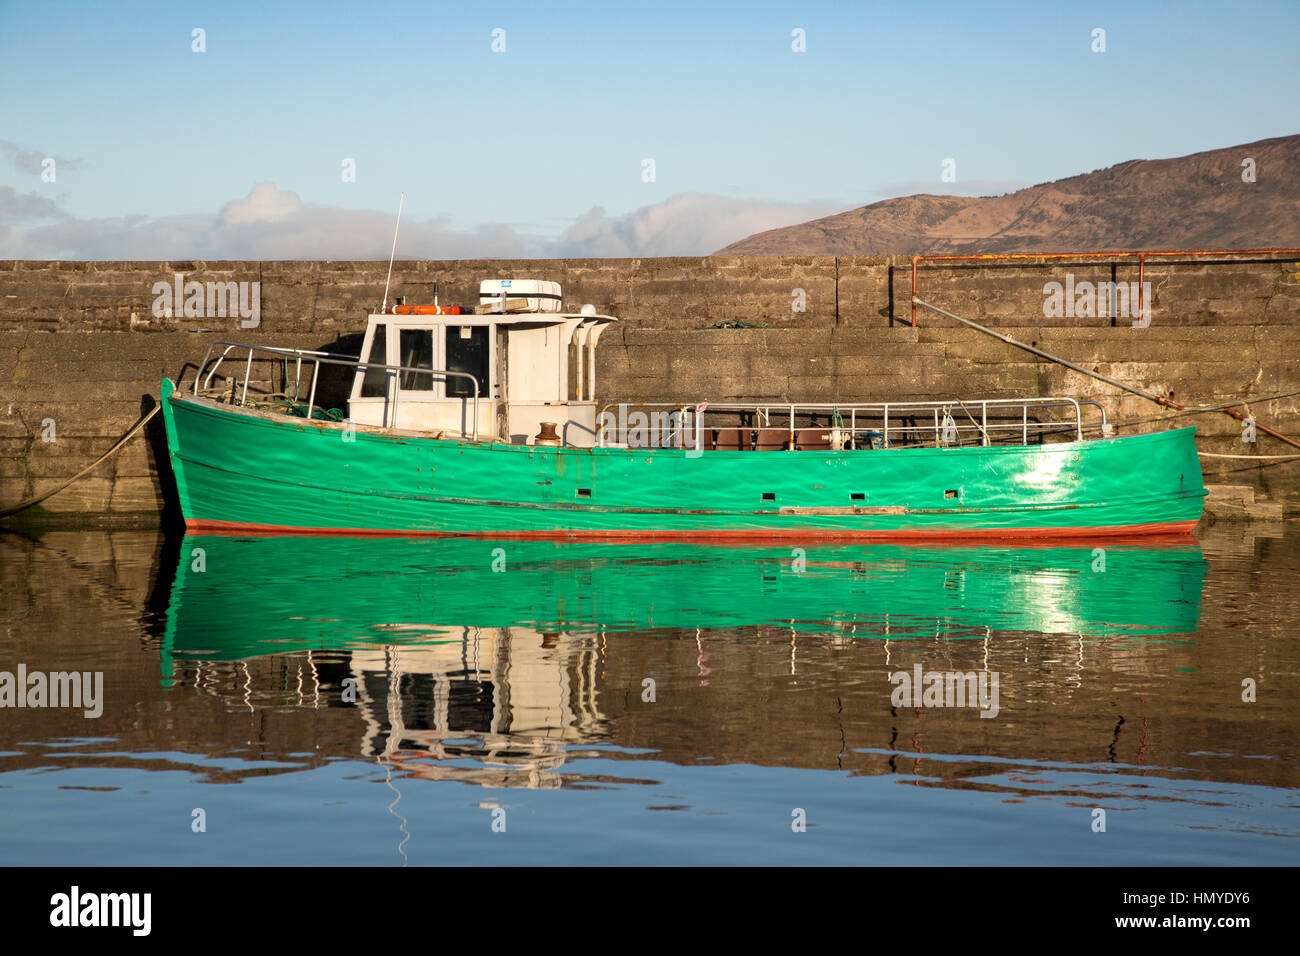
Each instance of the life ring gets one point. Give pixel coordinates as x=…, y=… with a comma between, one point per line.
x=422, y=310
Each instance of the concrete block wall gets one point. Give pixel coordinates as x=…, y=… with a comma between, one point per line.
x=667, y=293
x=79, y=345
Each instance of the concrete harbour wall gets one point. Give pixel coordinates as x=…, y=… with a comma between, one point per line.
x=81, y=347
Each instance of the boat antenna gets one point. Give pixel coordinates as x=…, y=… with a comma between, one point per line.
x=393, y=253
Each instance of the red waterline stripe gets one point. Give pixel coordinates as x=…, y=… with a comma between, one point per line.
x=732, y=534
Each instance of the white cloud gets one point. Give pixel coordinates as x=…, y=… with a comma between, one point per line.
x=264, y=204
x=28, y=160
x=18, y=207
x=272, y=223
x=685, y=225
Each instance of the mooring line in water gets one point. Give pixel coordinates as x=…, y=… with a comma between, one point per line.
x=24, y=505
x=1149, y=396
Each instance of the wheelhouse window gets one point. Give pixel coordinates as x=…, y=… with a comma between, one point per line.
x=416, y=352
x=374, y=383
x=467, y=351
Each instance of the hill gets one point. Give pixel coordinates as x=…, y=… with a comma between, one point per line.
x=1192, y=202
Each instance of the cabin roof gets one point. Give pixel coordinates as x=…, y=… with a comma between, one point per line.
x=490, y=318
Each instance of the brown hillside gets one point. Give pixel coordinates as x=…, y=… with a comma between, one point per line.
x=1192, y=202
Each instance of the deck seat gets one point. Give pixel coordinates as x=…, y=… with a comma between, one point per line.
x=731, y=439
x=812, y=438
x=772, y=439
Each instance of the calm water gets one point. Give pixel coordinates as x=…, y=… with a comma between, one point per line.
x=333, y=701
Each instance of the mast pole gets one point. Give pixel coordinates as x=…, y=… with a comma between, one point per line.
x=393, y=253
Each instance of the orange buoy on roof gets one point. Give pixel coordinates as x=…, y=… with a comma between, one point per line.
x=422, y=310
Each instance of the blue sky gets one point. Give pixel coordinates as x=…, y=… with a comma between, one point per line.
x=540, y=149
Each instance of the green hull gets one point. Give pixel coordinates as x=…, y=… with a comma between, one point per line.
x=242, y=470
x=341, y=593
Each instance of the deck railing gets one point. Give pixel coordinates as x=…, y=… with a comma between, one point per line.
x=983, y=421
x=317, y=359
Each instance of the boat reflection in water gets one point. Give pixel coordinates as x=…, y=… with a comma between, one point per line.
x=492, y=662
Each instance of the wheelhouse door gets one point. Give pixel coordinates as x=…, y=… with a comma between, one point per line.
x=373, y=390
x=416, y=349
x=467, y=349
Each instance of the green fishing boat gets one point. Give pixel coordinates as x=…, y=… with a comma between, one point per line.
x=483, y=422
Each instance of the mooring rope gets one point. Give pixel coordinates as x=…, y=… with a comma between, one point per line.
x=1158, y=399
x=1209, y=454
x=1203, y=409
x=24, y=505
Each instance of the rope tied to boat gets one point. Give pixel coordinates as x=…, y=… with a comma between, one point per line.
x=1206, y=409
x=1210, y=454
x=30, y=502
x=1158, y=399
